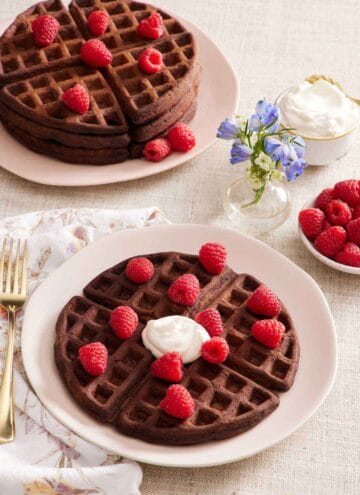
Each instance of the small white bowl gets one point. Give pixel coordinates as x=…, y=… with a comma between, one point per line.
x=324, y=259
x=325, y=151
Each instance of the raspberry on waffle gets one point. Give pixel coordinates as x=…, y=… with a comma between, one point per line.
x=39, y=99
x=124, y=20
x=19, y=55
x=144, y=97
x=230, y=397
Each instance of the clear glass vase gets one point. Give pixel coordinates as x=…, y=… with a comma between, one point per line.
x=269, y=213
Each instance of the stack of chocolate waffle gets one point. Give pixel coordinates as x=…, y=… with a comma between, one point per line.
x=128, y=107
x=229, y=398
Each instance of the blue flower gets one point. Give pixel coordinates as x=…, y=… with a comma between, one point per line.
x=299, y=145
x=240, y=153
x=294, y=169
x=266, y=114
x=284, y=153
x=228, y=129
x=271, y=143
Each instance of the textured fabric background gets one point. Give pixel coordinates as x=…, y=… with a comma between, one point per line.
x=272, y=44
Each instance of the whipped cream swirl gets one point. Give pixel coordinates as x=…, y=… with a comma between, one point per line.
x=319, y=110
x=175, y=334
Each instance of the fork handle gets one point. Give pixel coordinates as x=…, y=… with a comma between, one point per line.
x=7, y=423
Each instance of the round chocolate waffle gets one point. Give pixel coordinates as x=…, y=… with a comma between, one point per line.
x=128, y=108
x=229, y=398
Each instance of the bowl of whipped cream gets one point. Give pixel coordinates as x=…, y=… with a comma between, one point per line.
x=324, y=116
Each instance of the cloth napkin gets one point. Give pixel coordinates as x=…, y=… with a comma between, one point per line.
x=47, y=458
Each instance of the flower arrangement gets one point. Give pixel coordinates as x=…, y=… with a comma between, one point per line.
x=273, y=153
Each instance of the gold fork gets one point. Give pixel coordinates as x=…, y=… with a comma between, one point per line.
x=12, y=298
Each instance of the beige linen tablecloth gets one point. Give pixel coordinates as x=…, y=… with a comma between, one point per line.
x=272, y=44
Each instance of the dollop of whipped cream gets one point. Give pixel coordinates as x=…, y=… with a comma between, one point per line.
x=318, y=110
x=175, y=334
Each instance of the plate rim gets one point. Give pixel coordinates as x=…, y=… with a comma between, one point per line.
x=219, y=230
x=140, y=174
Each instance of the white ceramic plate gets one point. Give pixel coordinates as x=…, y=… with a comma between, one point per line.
x=217, y=99
x=327, y=261
x=301, y=295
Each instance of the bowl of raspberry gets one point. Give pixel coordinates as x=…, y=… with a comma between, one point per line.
x=329, y=226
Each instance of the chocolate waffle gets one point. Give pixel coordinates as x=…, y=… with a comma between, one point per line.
x=21, y=58
x=76, y=155
x=68, y=139
x=229, y=398
x=124, y=19
x=39, y=99
x=136, y=149
x=144, y=97
x=128, y=108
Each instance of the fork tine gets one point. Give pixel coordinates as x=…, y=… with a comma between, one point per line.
x=16, y=270
x=2, y=264
x=24, y=267
x=9, y=268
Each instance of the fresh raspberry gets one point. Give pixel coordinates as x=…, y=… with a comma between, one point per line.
x=264, y=302
x=268, y=332
x=178, y=402
x=77, y=99
x=356, y=212
x=353, y=231
x=150, y=61
x=338, y=212
x=312, y=222
x=211, y=320
x=168, y=367
x=124, y=322
x=348, y=191
x=93, y=358
x=151, y=28
x=324, y=198
x=45, y=28
x=181, y=137
x=98, y=22
x=139, y=270
x=212, y=256
x=331, y=241
x=215, y=350
x=157, y=150
x=95, y=54
x=350, y=255
x=184, y=290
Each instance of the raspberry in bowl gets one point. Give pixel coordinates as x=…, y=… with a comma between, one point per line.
x=329, y=226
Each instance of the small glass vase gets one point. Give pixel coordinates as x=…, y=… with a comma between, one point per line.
x=268, y=214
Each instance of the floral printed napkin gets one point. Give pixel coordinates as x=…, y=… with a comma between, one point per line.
x=46, y=458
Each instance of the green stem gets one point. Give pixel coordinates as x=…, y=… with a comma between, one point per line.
x=258, y=195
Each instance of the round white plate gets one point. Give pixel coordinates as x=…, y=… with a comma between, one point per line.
x=324, y=259
x=303, y=298
x=218, y=98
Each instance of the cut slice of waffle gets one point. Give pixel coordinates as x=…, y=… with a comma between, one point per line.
x=226, y=403
x=124, y=20
x=155, y=128
x=145, y=97
x=273, y=368
x=39, y=99
x=229, y=398
x=83, y=322
x=20, y=57
x=150, y=301
x=68, y=139
x=76, y=155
